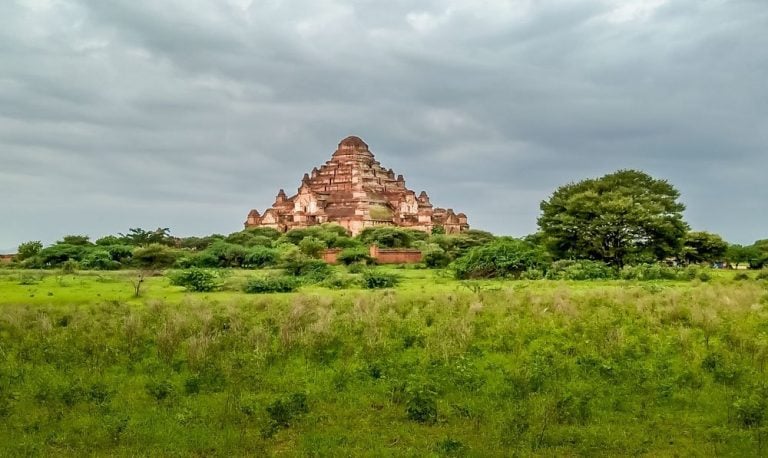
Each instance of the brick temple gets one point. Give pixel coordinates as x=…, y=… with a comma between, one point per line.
x=353, y=190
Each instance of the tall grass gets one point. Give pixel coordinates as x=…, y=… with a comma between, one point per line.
x=515, y=368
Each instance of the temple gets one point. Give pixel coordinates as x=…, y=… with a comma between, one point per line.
x=353, y=190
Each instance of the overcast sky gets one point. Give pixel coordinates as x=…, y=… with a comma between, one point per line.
x=188, y=113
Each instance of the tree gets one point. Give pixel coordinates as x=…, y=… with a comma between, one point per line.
x=625, y=216
x=702, y=246
x=312, y=247
x=139, y=237
x=77, y=240
x=154, y=256
x=28, y=250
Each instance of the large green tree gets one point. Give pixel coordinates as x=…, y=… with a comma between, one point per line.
x=622, y=217
x=703, y=246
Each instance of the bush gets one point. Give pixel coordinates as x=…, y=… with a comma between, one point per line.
x=99, y=260
x=422, y=406
x=357, y=268
x=741, y=276
x=762, y=275
x=503, y=258
x=275, y=284
x=298, y=264
x=357, y=255
x=312, y=247
x=340, y=281
x=69, y=266
x=532, y=274
x=646, y=272
x=580, y=270
x=199, y=280
x=435, y=257
x=283, y=411
x=259, y=256
x=154, y=256
x=375, y=280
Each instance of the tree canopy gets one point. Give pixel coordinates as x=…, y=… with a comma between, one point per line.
x=621, y=217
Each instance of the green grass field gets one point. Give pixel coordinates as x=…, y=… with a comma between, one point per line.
x=433, y=367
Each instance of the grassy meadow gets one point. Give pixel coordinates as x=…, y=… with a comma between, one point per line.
x=432, y=367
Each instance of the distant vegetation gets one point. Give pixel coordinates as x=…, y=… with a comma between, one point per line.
x=622, y=219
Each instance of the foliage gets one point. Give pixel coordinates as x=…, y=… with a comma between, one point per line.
x=140, y=237
x=619, y=218
x=298, y=264
x=154, y=256
x=341, y=281
x=271, y=284
x=653, y=272
x=505, y=257
x=76, y=240
x=422, y=405
x=701, y=247
x=55, y=255
x=333, y=235
x=390, y=237
x=28, y=250
x=354, y=256
x=109, y=240
x=434, y=256
x=225, y=254
x=312, y=247
x=259, y=257
x=580, y=270
x=199, y=280
x=373, y=279
x=99, y=259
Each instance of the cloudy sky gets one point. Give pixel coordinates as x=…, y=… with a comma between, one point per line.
x=188, y=113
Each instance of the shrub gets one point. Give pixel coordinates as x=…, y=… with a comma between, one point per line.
x=312, y=247
x=154, y=256
x=357, y=268
x=99, y=260
x=283, y=411
x=357, y=255
x=275, y=284
x=505, y=257
x=750, y=411
x=160, y=390
x=340, y=281
x=195, y=279
x=652, y=272
x=532, y=274
x=69, y=266
x=374, y=280
x=435, y=257
x=422, y=406
x=741, y=276
x=580, y=270
x=260, y=256
x=300, y=265
x=762, y=275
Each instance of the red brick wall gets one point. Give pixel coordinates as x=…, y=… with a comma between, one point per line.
x=382, y=256
x=6, y=258
x=330, y=256
x=398, y=256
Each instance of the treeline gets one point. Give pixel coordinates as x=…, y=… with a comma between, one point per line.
x=250, y=248
x=471, y=254
x=622, y=225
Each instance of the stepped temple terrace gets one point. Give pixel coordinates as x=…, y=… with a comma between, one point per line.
x=353, y=190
